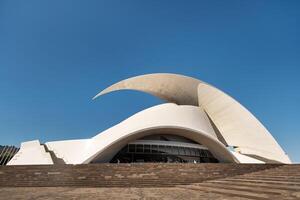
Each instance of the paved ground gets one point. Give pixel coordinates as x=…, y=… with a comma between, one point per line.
x=44, y=193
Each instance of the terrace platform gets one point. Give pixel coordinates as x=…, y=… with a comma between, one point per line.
x=151, y=181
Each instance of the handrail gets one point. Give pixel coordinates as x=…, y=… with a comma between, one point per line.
x=7, y=153
x=3, y=154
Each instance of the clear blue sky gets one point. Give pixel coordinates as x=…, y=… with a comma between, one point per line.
x=56, y=55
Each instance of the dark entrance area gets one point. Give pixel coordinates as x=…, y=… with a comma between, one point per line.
x=164, y=148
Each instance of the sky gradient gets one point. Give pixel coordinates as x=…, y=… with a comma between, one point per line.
x=56, y=55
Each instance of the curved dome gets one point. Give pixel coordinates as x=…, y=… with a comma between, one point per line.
x=187, y=121
x=237, y=126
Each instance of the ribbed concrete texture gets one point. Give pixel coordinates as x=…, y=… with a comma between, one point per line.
x=153, y=181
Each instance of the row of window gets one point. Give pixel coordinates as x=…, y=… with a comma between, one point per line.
x=165, y=149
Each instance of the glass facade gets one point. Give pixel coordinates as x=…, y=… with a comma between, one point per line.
x=162, y=153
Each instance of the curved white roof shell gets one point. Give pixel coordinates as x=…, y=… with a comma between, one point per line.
x=174, y=88
x=188, y=121
x=235, y=123
x=196, y=110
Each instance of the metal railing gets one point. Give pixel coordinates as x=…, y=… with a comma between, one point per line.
x=7, y=153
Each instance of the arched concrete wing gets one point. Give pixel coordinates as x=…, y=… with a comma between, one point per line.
x=173, y=88
x=187, y=121
x=238, y=126
x=235, y=123
x=215, y=147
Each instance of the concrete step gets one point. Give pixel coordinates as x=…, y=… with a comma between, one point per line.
x=262, y=181
x=112, y=175
x=246, y=188
x=228, y=192
x=256, y=184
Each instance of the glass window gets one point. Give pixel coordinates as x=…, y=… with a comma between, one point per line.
x=181, y=151
x=197, y=152
x=131, y=148
x=162, y=148
x=175, y=150
x=187, y=151
x=147, y=148
x=169, y=149
x=154, y=148
x=193, y=152
x=139, y=148
x=202, y=154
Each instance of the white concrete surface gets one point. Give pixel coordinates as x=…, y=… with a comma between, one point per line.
x=246, y=159
x=196, y=101
x=31, y=153
x=238, y=126
x=235, y=123
x=187, y=121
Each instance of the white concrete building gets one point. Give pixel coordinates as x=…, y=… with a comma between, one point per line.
x=199, y=124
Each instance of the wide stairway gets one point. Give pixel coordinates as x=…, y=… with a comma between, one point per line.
x=282, y=182
x=122, y=175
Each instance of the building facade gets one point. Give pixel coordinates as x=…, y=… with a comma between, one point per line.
x=199, y=124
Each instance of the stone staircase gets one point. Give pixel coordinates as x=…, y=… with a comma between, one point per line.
x=282, y=182
x=142, y=175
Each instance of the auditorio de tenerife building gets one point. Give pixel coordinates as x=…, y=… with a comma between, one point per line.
x=198, y=124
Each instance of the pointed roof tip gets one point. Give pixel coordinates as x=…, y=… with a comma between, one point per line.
x=95, y=97
x=154, y=84
x=105, y=91
x=122, y=85
x=99, y=94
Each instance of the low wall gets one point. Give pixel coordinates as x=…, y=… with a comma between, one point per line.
x=120, y=175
